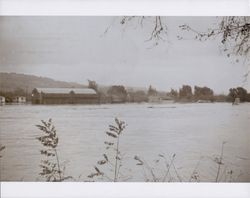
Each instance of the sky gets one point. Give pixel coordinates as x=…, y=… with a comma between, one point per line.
x=76, y=49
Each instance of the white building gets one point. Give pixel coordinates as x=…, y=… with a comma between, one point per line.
x=2, y=99
x=19, y=99
x=154, y=99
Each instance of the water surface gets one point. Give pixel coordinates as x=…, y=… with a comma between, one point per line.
x=194, y=132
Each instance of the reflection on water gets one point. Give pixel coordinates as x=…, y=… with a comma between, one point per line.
x=191, y=131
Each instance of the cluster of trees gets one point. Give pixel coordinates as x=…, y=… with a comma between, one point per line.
x=240, y=93
x=152, y=91
x=118, y=93
x=186, y=94
x=204, y=93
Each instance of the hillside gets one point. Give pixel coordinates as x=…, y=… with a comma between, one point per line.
x=13, y=81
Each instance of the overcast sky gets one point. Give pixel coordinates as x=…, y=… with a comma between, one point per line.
x=76, y=49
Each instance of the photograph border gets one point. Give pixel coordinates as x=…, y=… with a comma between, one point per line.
x=120, y=8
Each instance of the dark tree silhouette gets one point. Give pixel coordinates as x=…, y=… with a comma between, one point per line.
x=93, y=85
x=118, y=93
x=233, y=31
x=174, y=93
x=185, y=92
x=203, y=93
x=238, y=92
x=152, y=91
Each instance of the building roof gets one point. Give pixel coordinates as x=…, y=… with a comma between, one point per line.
x=66, y=90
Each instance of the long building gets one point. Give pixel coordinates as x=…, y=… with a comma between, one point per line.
x=64, y=96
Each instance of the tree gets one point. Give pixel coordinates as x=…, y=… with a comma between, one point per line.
x=174, y=93
x=234, y=33
x=159, y=27
x=152, y=91
x=119, y=92
x=185, y=92
x=238, y=92
x=140, y=96
x=203, y=93
x=93, y=85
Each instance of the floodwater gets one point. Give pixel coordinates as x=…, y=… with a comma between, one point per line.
x=193, y=132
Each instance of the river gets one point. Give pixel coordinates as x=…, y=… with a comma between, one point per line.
x=193, y=132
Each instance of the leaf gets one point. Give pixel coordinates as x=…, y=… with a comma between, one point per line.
x=101, y=162
x=2, y=148
x=97, y=170
x=139, y=160
x=117, y=121
x=106, y=157
x=111, y=134
x=109, y=143
x=117, y=157
x=113, y=128
x=92, y=175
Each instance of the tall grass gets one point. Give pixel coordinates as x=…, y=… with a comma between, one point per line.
x=108, y=167
x=51, y=167
x=1, y=149
x=169, y=172
x=112, y=157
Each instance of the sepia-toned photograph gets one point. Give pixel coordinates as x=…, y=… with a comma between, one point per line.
x=124, y=99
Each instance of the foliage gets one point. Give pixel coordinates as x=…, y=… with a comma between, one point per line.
x=174, y=93
x=203, y=93
x=152, y=91
x=185, y=92
x=1, y=149
x=168, y=174
x=158, y=27
x=119, y=92
x=112, y=158
x=93, y=85
x=238, y=92
x=51, y=168
x=165, y=170
x=110, y=165
x=234, y=32
x=140, y=96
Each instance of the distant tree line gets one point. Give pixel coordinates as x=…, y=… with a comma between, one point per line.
x=119, y=94
x=186, y=94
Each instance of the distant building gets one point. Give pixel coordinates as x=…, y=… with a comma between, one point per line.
x=2, y=99
x=19, y=99
x=64, y=96
x=154, y=99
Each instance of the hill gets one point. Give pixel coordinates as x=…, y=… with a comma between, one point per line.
x=13, y=81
